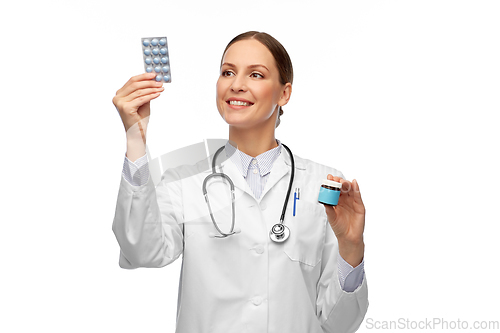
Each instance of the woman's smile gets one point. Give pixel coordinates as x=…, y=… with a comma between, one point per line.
x=238, y=103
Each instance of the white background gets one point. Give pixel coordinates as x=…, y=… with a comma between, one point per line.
x=401, y=95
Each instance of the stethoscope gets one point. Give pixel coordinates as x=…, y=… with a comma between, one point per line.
x=279, y=232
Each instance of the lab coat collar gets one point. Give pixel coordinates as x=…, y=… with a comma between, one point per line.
x=242, y=161
x=225, y=165
x=230, y=169
x=281, y=167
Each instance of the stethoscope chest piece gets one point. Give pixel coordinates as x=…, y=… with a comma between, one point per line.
x=279, y=233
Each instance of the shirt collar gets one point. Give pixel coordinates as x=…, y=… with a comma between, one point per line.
x=242, y=161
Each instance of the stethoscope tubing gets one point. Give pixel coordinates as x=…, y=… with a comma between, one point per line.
x=282, y=219
x=223, y=175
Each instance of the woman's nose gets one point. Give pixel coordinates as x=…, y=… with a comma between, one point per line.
x=238, y=84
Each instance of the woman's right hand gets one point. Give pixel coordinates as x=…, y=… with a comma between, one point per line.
x=132, y=101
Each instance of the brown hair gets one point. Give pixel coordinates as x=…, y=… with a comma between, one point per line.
x=283, y=61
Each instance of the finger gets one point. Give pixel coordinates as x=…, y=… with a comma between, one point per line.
x=334, y=178
x=142, y=92
x=139, y=101
x=357, y=193
x=337, y=179
x=346, y=186
x=134, y=79
x=141, y=77
x=155, y=96
x=133, y=86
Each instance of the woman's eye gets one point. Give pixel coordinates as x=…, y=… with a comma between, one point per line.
x=227, y=73
x=257, y=75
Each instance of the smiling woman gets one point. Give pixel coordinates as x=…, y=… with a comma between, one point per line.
x=252, y=279
x=249, y=91
x=281, y=62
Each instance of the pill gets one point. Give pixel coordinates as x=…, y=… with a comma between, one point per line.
x=165, y=68
x=164, y=60
x=155, y=51
x=163, y=50
x=145, y=42
x=154, y=42
x=159, y=77
x=149, y=69
x=147, y=61
x=147, y=52
x=156, y=60
x=166, y=78
x=157, y=69
x=163, y=41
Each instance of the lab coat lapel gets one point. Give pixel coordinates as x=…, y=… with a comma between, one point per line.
x=238, y=180
x=278, y=171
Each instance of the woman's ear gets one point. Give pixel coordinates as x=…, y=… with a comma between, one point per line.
x=285, y=94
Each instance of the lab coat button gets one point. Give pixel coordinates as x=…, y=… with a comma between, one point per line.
x=259, y=249
x=254, y=161
x=257, y=300
x=255, y=170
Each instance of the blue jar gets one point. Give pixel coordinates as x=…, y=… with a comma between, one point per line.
x=329, y=192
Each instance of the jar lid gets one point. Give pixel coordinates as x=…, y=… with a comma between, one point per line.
x=332, y=183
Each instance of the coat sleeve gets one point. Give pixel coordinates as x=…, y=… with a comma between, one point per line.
x=148, y=222
x=339, y=311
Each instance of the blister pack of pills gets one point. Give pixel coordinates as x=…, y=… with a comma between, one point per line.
x=156, y=58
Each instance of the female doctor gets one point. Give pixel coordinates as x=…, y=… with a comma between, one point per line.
x=243, y=281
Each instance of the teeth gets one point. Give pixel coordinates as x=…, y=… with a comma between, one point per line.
x=239, y=103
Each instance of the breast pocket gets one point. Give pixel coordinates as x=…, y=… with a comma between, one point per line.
x=307, y=234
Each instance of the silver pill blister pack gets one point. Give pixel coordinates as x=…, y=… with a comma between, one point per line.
x=156, y=58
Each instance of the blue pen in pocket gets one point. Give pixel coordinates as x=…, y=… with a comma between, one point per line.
x=296, y=196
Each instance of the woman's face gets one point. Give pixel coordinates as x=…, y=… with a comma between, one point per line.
x=249, y=90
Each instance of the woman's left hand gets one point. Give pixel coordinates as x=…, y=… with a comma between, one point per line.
x=347, y=220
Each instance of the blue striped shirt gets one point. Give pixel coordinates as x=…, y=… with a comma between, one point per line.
x=256, y=171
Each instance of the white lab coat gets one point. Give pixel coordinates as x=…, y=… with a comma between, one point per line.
x=245, y=282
